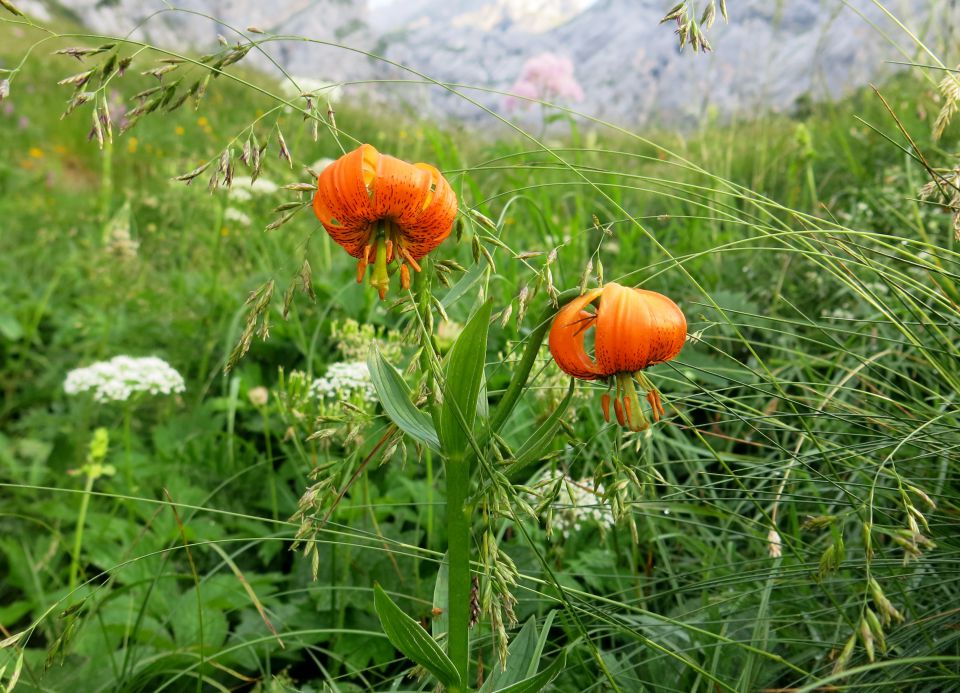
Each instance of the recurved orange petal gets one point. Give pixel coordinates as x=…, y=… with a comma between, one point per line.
x=619, y=344
x=636, y=329
x=430, y=224
x=342, y=201
x=398, y=189
x=566, y=338
x=668, y=328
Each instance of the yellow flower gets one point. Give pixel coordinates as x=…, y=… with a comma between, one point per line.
x=132, y=145
x=36, y=152
x=224, y=232
x=202, y=121
x=179, y=130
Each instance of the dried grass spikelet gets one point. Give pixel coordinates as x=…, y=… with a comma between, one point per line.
x=950, y=90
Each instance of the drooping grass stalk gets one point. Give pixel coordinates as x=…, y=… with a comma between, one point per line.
x=78, y=532
x=458, y=543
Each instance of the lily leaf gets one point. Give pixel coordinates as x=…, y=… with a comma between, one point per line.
x=519, y=655
x=523, y=656
x=412, y=640
x=538, y=682
x=395, y=397
x=441, y=622
x=463, y=383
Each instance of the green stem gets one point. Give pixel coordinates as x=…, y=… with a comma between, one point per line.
x=458, y=547
x=78, y=533
x=522, y=371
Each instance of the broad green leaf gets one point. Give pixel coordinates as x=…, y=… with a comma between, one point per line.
x=462, y=383
x=534, y=446
x=412, y=640
x=521, y=651
x=537, y=683
x=395, y=398
x=10, y=327
x=441, y=622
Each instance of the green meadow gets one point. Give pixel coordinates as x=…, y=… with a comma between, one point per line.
x=282, y=521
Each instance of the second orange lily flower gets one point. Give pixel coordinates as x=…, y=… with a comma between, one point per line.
x=635, y=329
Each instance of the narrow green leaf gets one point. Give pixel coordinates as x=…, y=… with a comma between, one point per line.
x=463, y=381
x=412, y=640
x=395, y=398
x=541, y=643
x=441, y=622
x=462, y=287
x=534, y=446
x=537, y=683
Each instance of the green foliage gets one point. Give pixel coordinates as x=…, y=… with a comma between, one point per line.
x=462, y=383
x=394, y=397
x=792, y=518
x=410, y=638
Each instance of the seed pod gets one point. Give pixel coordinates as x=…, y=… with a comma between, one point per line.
x=188, y=177
x=867, y=638
x=844, y=658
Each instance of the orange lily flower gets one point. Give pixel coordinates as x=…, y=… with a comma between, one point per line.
x=634, y=329
x=381, y=209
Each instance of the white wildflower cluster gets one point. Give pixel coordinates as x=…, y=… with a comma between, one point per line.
x=122, y=376
x=839, y=315
x=575, y=503
x=234, y=214
x=343, y=380
x=244, y=188
x=122, y=245
x=308, y=86
x=354, y=340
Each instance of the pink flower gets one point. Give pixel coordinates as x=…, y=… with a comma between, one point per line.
x=546, y=77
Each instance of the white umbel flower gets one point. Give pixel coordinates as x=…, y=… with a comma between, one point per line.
x=577, y=503
x=122, y=376
x=244, y=187
x=308, y=86
x=343, y=380
x=234, y=214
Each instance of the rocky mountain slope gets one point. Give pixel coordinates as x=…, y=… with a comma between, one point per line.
x=772, y=51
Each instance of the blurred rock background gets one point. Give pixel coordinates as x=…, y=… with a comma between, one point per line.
x=772, y=53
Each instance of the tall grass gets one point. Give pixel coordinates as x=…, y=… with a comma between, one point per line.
x=802, y=487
